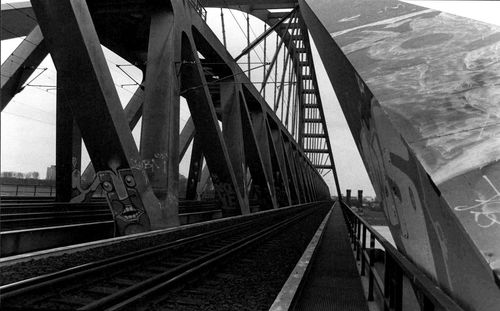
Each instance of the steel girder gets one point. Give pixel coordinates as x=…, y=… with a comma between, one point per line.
x=312, y=123
x=311, y=132
x=280, y=171
x=85, y=86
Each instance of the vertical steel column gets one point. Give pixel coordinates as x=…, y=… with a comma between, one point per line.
x=67, y=142
x=223, y=24
x=265, y=64
x=302, y=177
x=260, y=129
x=232, y=130
x=160, y=115
x=260, y=161
x=278, y=145
x=292, y=179
x=280, y=181
x=195, y=90
x=360, y=199
x=248, y=43
x=195, y=168
x=294, y=163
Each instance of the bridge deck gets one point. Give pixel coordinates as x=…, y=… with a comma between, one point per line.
x=333, y=282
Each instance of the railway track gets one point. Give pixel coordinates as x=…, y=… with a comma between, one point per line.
x=28, y=225
x=117, y=282
x=26, y=214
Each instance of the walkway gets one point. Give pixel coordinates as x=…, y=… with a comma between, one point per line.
x=333, y=282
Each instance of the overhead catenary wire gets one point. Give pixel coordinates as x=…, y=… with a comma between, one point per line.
x=53, y=88
x=241, y=29
x=217, y=80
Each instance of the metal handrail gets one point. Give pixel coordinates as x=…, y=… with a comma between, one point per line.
x=30, y=190
x=396, y=267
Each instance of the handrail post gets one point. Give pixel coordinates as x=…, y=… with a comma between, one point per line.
x=398, y=289
x=372, y=266
x=363, y=250
x=355, y=233
x=358, y=240
x=387, y=282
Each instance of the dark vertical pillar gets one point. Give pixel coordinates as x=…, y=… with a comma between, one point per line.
x=76, y=161
x=278, y=145
x=294, y=187
x=195, y=169
x=260, y=130
x=232, y=131
x=64, y=145
x=258, y=161
x=360, y=199
x=280, y=181
x=160, y=112
x=194, y=88
x=348, y=197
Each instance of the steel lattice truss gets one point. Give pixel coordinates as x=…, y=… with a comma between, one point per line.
x=272, y=152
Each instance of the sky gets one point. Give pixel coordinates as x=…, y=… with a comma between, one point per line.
x=28, y=122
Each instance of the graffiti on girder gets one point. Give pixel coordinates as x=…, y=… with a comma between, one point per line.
x=487, y=210
x=158, y=162
x=79, y=193
x=128, y=211
x=225, y=193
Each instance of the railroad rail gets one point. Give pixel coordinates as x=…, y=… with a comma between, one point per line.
x=34, y=214
x=117, y=282
x=27, y=226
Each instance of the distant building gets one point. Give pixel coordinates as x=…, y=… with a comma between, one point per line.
x=51, y=173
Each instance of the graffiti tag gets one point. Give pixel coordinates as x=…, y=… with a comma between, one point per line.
x=158, y=162
x=224, y=191
x=486, y=211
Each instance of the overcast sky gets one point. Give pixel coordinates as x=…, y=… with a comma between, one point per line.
x=28, y=122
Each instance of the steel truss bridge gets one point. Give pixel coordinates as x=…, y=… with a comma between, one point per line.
x=273, y=151
x=258, y=133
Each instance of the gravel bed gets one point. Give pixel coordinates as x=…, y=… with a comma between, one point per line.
x=33, y=268
x=253, y=279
